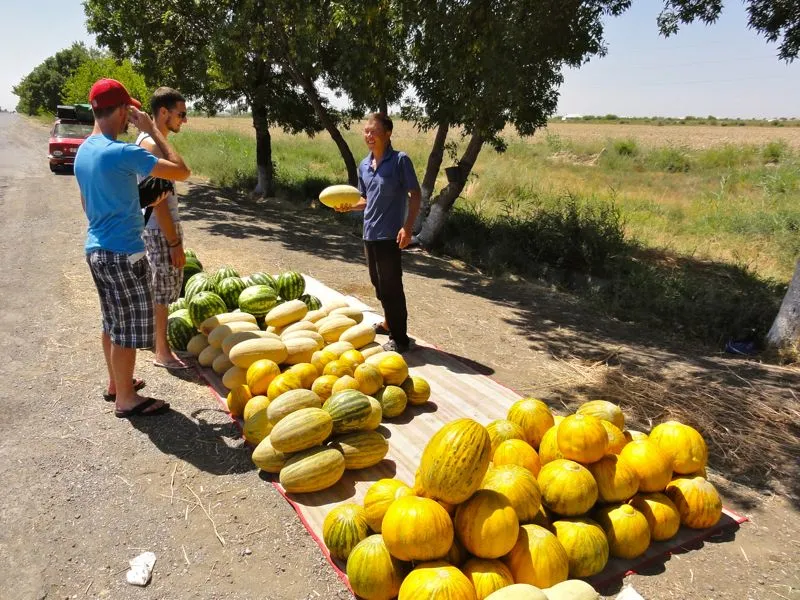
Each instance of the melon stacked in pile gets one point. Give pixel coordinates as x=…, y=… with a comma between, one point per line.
x=308, y=379
x=513, y=509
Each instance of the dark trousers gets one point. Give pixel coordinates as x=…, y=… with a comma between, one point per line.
x=386, y=274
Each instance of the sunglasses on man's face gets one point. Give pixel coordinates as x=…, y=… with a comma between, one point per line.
x=182, y=114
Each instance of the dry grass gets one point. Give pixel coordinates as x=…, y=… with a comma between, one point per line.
x=696, y=137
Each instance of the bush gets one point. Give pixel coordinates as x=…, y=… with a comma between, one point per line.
x=626, y=147
x=671, y=159
x=775, y=151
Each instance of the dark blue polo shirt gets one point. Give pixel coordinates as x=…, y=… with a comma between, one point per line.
x=386, y=190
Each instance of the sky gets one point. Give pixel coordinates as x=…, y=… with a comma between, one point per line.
x=725, y=70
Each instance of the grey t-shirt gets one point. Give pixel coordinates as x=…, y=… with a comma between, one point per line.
x=172, y=200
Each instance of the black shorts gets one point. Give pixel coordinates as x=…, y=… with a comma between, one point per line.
x=126, y=299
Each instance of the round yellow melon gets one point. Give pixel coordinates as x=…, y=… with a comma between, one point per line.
x=379, y=497
x=537, y=558
x=436, y=579
x=373, y=573
x=354, y=357
x=415, y=528
x=548, y=448
x=567, y=487
x=585, y=544
x=323, y=386
x=616, y=480
x=320, y=358
x=260, y=374
x=338, y=368
x=501, y=430
x=683, y=444
x=393, y=401
x=369, y=378
x=237, y=400
x=661, y=514
x=650, y=463
x=345, y=382
x=616, y=439
x=283, y=383
x=697, y=501
x=603, y=409
x=344, y=527
x=534, y=417
x=306, y=372
x=254, y=405
x=626, y=528
x=417, y=390
x=517, y=452
x=394, y=370
x=517, y=484
x=582, y=438
x=487, y=524
x=487, y=576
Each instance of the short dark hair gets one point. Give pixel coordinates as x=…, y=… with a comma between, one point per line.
x=383, y=119
x=102, y=113
x=165, y=97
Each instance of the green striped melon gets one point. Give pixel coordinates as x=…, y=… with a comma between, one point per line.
x=224, y=272
x=179, y=330
x=291, y=285
x=177, y=305
x=204, y=305
x=257, y=299
x=344, y=527
x=312, y=470
x=301, y=430
x=393, y=400
x=349, y=409
x=264, y=279
x=312, y=302
x=201, y=282
x=455, y=460
x=361, y=449
x=189, y=253
x=229, y=290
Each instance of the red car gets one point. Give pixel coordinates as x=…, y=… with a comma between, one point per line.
x=66, y=136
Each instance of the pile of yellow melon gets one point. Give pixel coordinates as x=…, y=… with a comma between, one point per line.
x=311, y=389
x=513, y=509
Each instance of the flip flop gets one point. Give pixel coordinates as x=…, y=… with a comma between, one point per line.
x=140, y=410
x=137, y=385
x=175, y=366
x=380, y=329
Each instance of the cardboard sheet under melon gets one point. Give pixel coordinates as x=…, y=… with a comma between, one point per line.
x=457, y=391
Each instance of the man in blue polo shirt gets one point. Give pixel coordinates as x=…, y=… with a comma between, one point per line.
x=390, y=199
x=106, y=170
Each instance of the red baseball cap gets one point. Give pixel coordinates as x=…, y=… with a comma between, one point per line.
x=106, y=93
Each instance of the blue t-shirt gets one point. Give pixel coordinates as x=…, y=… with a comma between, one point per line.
x=106, y=171
x=386, y=190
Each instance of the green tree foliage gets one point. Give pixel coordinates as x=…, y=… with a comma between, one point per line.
x=41, y=89
x=76, y=88
x=777, y=20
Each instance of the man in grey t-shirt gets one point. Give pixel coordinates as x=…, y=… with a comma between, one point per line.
x=163, y=235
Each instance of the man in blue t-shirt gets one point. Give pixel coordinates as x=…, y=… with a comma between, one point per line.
x=390, y=199
x=107, y=170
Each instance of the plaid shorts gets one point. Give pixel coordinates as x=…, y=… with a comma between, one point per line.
x=126, y=301
x=167, y=280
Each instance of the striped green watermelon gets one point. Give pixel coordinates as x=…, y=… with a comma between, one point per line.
x=257, y=299
x=205, y=304
x=312, y=302
x=192, y=267
x=188, y=252
x=350, y=410
x=202, y=282
x=229, y=290
x=224, y=272
x=291, y=285
x=179, y=329
x=264, y=279
x=177, y=305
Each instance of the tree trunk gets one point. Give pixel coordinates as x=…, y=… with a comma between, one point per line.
x=431, y=171
x=383, y=106
x=785, y=331
x=443, y=203
x=266, y=182
x=314, y=98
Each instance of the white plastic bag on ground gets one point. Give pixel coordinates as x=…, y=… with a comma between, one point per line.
x=141, y=568
x=628, y=593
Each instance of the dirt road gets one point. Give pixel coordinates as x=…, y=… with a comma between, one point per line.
x=83, y=492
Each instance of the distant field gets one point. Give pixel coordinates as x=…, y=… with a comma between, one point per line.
x=695, y=137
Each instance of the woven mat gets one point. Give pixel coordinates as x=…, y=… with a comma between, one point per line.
x=457, y=390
